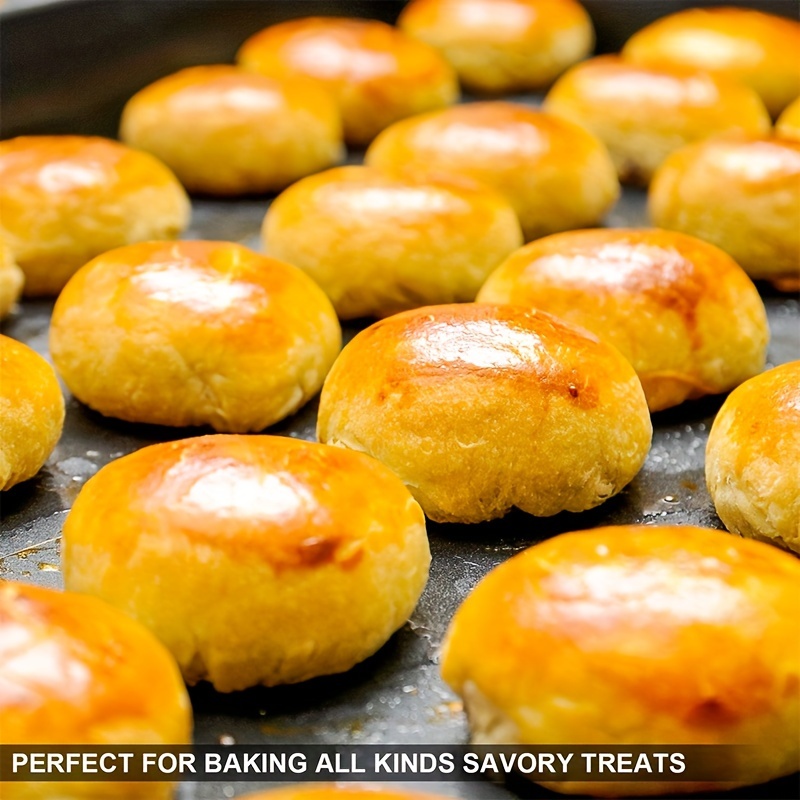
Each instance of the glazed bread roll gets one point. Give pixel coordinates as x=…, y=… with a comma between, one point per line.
x=31, y=412
x=255, y=559
x=332, y=791
x=743, y=195
x=681, y=311
x=788, y=124
x=375, y=72
x=66, y=199
x=638, y=635
x=753, y=455
x=555, y=175
x=642, y=114
x=75, y=671
x=11, y=279
x=760, y=50
x=193, y=333
x=503, y=45
x=379, y=243
x=480, y=408
x=226, y=131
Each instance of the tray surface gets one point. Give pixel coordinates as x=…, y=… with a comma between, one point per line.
x=396, y=696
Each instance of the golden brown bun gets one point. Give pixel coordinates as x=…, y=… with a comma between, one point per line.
x=332, y=791
x=479, y=408
x=681, y=311
x=636, y=635
x=375, y=72
x=226, y=131
x=753, y=458
x=379, y=243
x=255, y=559
x=743, y=195
x=11, y=279
x=193, y=333
x=760, y=50
x=66, y=199
x=75, y=671
x=555, y=175
x=503, y=45
x=31, y=412
x=788, y=124
x=642, y=114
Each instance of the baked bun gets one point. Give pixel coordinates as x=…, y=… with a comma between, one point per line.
x=741, y=194
x=11, y=279
x=642, y=114
x=193, y=333
x=255, y=559
x=503, y=45
x=226, y=131
x=375, y=72
x=555, y=175
x=788, y=124
x=681, y=311
x=753, y=455
x=380, y=243
x=758, y=49
x=66, y=199
x=480, y=408
x=75, y=671
x=332, y=791
x=31, y=412
x=636, y=635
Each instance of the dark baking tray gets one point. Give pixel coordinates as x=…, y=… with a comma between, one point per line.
x=68, y=67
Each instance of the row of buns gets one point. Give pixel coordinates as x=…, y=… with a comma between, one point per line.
x=374, y=74
x=278, y=117
x=205, y=333
x=498, y=171
x=210, y=333
x=279, y=560
x=589, y=638
x=523, y=45
x=436, y=216
x=687, y=77
x=477, y=407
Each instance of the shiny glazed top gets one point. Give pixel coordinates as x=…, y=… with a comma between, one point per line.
x=409, y=197
x=667, y=617
x=497, y=21
x=340, y=49
x=200, y=286
x=492, y=137
x=504, y=345
x=762, y=419
x=757, y=48
x=753, y=165
x=672, y=270
x=198, y=92
x=496, y=135
x=26, y=380
x=685, y=96
x=73, y=669
x=62, y=167
x=289, y=503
